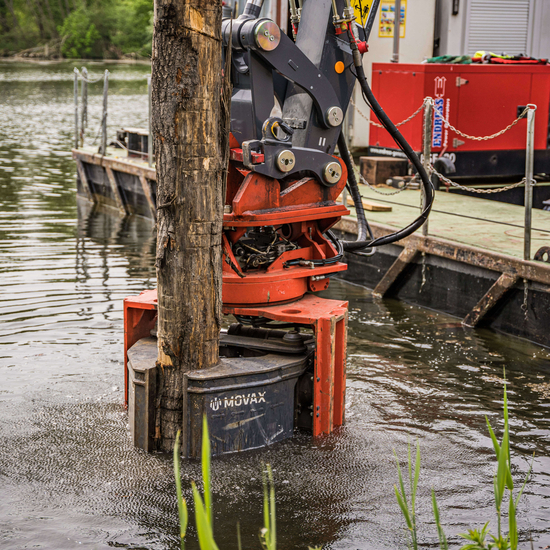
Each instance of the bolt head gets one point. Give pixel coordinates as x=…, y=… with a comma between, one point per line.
x=267, y=35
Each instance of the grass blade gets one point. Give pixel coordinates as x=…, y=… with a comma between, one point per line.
x=239, y=543
x=512, y=525
x=273, y=520
x=403, y=507
x=206, y=471
x=524, y=482
x=416, y=472
x=204, y=529
x=266, y=501
x=493, y=438
x=182, y=505
x=441, y=534
x=401, y=484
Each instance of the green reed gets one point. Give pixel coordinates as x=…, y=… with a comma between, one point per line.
x=503, y=485
x=203, y=504
x=477, y=539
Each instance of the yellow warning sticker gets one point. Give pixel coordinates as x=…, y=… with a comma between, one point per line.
x=361, y=8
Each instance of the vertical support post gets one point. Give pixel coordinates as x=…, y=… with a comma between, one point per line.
x=323, y=386
x=84, y=99
x=529, y=165
x=329, y=386
x=427, y=153
x=396, y=31
x=76, y=108
x=150, y=135
x=345, y=196
x=103, y=146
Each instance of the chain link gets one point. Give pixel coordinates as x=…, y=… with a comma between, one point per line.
x=480, y=138
x=479, y=191
x=87, y=79
x=380, y=125
x=447, y=123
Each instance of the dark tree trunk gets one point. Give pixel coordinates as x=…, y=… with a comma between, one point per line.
x=190, y=125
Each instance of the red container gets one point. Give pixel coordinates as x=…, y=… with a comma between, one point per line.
x=478, y=100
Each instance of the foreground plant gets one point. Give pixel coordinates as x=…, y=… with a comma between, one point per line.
x=203, y=505
x=502, y=484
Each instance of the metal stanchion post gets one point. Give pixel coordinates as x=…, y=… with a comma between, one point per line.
x=76, y=108
x=529, y=162
x=103, y=146
x=396, y=31
x=150, y=135
x=84, y=98
x=427, y=153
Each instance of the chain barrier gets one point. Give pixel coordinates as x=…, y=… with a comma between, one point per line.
x=451, y=127
x=480, y=191
x=100, y=128
x=82, y=77
x=446, y=122
x=481, y=138
x=361, y=113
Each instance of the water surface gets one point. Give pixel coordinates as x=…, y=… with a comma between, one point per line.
x=69, y=476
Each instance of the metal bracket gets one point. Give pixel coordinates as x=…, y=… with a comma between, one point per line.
x=309, y=160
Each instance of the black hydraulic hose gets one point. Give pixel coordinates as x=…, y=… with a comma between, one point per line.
x=327, y=261
x=364, y=232
x=411, y=155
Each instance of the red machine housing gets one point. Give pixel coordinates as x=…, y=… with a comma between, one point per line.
x=478, y=99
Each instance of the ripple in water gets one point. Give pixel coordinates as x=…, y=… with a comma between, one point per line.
x=69, y=476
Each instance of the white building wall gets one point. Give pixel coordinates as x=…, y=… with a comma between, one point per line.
x=454, y=29
x=414, y=48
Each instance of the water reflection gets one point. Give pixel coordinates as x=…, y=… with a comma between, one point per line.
x=69, y=476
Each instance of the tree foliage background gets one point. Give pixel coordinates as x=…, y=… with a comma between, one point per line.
x=77, y=28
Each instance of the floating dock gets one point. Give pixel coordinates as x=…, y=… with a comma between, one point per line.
x=470, y=265
x=126, y=183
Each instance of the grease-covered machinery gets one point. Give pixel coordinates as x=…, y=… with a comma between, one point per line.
x=290, y=96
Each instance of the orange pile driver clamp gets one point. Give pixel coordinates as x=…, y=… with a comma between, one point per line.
x=293, y=215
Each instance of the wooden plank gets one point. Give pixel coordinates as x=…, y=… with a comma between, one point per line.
x=371, y=206
x=494, y=294
x=404, y=259
x=115, y=190
x=148, y=195
x=494, y=261
x=84, y=180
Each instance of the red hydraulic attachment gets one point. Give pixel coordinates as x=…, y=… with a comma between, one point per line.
x=327, y=318
x=300, y=211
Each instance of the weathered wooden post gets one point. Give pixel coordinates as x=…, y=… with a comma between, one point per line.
x=190, y=125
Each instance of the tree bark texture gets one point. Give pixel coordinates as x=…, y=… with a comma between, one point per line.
x=190, y=122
